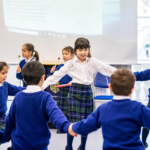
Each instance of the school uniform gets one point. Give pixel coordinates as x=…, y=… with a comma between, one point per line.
x=27, y=121
x=63, y=92
x=80, y=97
x=5, y=90
x=21, y=64
x=3, y=118
x=143, y=76
x=121, y=120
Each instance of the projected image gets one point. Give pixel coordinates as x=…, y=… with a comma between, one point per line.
x=111, y=10
x=109, y=25
x=71, y=17
x=143, y=30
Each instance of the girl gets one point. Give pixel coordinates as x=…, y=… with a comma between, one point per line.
x=80, y=98
x=5, y=90
x=68, y=54
x=144, y=76
x=29, y=54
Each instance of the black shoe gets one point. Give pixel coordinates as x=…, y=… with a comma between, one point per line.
x=79, y=148
x=57, y=131
x=146, y=145
x=9, y=148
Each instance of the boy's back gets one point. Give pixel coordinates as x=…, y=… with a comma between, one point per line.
x=28, y=119
x=31, y=119
x=121, y=122
x=121, y=119
x=30, y=112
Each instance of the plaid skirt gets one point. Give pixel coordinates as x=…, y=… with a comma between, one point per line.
x=62, y=100
x=80, y=102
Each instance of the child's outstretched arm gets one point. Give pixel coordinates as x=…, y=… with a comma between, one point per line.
x=144, y=116
x=13, y=90
x=5, y=136
x=143, y=75
x=55, y=115
x=58, y=74
x=86, y=126
x=103, y=68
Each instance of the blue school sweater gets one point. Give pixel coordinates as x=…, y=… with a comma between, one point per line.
x=64, y=80
x=5, y=90
x=143, y=76
x=27, y=121
x=19, y=75
x=121, y=122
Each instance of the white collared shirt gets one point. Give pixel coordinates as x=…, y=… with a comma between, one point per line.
x=33, y=59
x=1, y=84
x=81, y=73
x=120, y=97
x=32, y=89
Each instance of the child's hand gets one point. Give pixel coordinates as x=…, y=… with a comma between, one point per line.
x=18, y=69
x=70, y=131
x=53, y=69
x=69, y=83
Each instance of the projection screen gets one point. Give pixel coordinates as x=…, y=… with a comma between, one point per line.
x=51, y=25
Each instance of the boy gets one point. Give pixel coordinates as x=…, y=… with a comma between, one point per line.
x=121, y=119
x=144, y=76
x=30, y=111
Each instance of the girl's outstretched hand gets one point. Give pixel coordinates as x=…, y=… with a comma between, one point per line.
x=69, y=83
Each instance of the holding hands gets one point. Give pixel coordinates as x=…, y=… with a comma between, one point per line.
x=70, y=131
x=18, y=69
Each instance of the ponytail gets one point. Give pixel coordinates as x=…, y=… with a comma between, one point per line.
x=36, y=55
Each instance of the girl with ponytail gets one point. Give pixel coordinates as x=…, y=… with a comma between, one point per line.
x=29, y=54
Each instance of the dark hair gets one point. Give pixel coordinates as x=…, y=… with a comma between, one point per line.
x=30, y=47
x=32, y=72
x=69, y=49
x=2, y=65
x=81, y=43
x=122, y=81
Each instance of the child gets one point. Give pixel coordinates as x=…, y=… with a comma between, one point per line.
x=5, y=90
x=68, y=54
x=29, y=54
x=121, y=119
x=80, y=98
x=27, y=121
x=144, y=76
